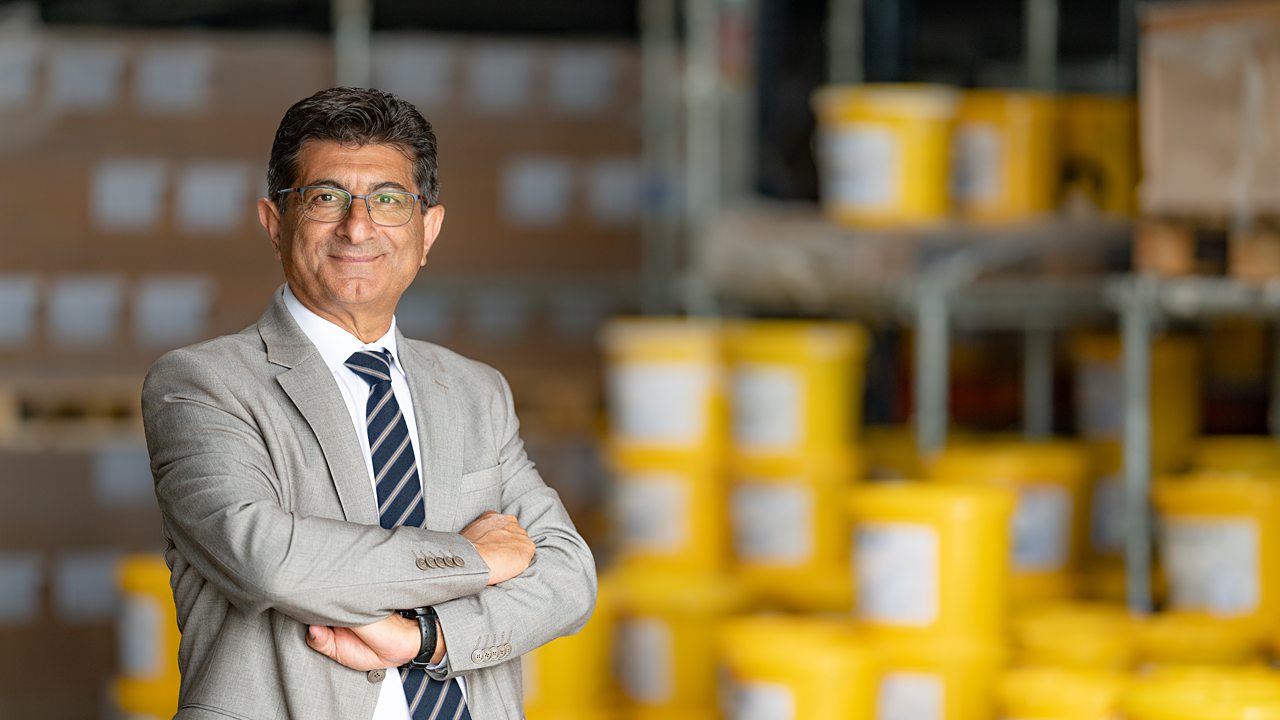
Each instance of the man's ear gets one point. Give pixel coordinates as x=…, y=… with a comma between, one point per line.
x=269, y=218
x=432, y=220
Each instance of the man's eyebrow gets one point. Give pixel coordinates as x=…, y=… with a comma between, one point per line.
x=385, y=184
x=388, y=184
x=325, y=182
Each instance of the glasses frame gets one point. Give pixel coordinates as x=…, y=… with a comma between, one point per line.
x=417, y=199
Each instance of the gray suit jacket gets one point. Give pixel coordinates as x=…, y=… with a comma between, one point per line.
x=272, y=524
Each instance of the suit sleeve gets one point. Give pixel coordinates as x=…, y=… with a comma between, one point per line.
x=225, y=514
x=553, y=597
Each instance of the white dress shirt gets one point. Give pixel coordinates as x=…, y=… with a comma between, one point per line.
x=336, y=345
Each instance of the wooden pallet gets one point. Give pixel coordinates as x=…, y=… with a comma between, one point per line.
x=1177, y=247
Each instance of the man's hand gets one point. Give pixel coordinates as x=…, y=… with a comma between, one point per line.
x=503, y=545
x=387, y=643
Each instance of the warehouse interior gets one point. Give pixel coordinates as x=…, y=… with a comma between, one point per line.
x=897, y=359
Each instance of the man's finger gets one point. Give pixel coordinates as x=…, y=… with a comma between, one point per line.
x=321, y=639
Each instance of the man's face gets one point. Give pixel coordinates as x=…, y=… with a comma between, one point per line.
x=352, y=267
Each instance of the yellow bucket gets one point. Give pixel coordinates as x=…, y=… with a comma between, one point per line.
x=1204, y=694
x=827, y=674
x=938, y=678
x=1060, y=694
x=1006, y=153
x=667, y=639
x=796, y=387
x=891, y=453
x=884, y=152
x=665, y=386
x=1175, y=406
x=667, y=516
x=570, y=676
x=1100, y=151
x=1220, y=544
x=1049, y=524
x=1174, y=639
x=931, y=559
x=149, y=638
x=791, y=531
x=1075, y=636
x=1243, y=454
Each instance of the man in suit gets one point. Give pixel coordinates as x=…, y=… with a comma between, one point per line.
x=354, y=529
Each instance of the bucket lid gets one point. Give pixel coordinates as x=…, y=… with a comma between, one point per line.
x=916, y=497
x=647, y=591
x=1006, y=460
x=1208, y=493
x=624, y=334
x=923, y=99
x=821, y=339
x=1027, y=691
x=1204, y=694
x=1077, y=634
x=1254, y=454
x=1198, y=638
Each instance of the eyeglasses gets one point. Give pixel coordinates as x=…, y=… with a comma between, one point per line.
x=389, y=208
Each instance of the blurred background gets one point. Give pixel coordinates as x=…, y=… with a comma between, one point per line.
x=924, y=345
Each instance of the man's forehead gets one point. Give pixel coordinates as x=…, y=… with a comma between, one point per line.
x=330, y=158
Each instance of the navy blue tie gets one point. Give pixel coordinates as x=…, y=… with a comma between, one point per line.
x=395, y=473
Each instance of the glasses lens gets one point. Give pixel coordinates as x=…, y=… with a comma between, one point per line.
x=325, y=204
x=391, y=207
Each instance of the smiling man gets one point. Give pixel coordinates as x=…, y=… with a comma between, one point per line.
x=354, y=529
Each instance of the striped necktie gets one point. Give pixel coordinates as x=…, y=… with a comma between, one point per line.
x=395, y=473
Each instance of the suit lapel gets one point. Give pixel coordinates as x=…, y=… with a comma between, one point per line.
x=439, y=434
x=310, y=385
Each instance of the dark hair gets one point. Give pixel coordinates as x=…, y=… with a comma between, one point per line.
x=354, y=116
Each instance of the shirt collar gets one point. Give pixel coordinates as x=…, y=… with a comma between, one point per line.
x=334, y=343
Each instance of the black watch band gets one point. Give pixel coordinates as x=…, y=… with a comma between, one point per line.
x=426, y=617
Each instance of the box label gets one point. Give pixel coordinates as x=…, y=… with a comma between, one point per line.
x=773, y=523
x=861, y=167
x=897, y=573
x=652, y=513
x=1041, y=528
x=977, y=165
x=646, y=663
x=1212, y=564
x=663, y=403
x=768, y=407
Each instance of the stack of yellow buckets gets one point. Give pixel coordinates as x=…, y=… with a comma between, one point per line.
x=148, y=686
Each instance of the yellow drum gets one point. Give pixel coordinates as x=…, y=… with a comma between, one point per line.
x=1175, y=406
x=149, y=638
x=1051, y=480
x=892, y=453
x=939, y=678
x=1176, y=639
x=666, y=389
x=1060, y=694
x=569, y=678
x=798, y=668
x=666, y=644
x=1006, y=155
x=1220, y=543
x=1100, y=151
x=669, y=517
x=1243, y=454
x=1204, y=694
x=796, y=388
x=931, y=559
x=884, y=152
x=1075, y=636
x=791, y=531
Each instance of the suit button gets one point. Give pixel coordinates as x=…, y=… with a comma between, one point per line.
x=376, y=676
x=477, y=656
x=459, y=562
x=488, y=654
x=422, y=564
x=434, y=562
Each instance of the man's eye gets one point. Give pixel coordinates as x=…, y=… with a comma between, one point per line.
x=326, y=197
x=388, y=199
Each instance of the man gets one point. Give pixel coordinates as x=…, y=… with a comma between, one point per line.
x=354, y=530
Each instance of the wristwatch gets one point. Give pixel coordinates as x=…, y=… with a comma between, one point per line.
x=426, y=617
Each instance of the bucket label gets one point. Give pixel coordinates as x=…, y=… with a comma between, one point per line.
x=768, y=407
x=645, y=666
x=897, y=572
x=652, y=513
x=977, y=175
x=910, y=696
x=1212, y=564
x=141, y=637
x=763, y=701
x=1041, y=528
x=1100, y=399
x=1106, y=527
x=664, y=403
x=773, y=523
x=861, y=166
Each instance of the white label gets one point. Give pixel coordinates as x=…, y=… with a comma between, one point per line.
x=767, y=407
x=860, y=166
x=19, y=58
x=773, y=523
x=613, y=191
x=85, y=75
x=85, y=310
x=1212, y=564
x=500, y=79
x=1041, y=528
x=652, y=513
x=122, y=478
x=84, y=586
x=20, y=582
x=1100, y=399
x=660, y=402
x=127, y=194
x=18, y=297
x=169, y=311
x=583, y=80
x=173, y=78
x=141, y=637
x=420, y=71
x=910, y=696
x=646, y=664
x=212, y=196
x=763, y=701
x=1107, y=524
x=976, y=167
x=536, y=191
x=897, y=573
